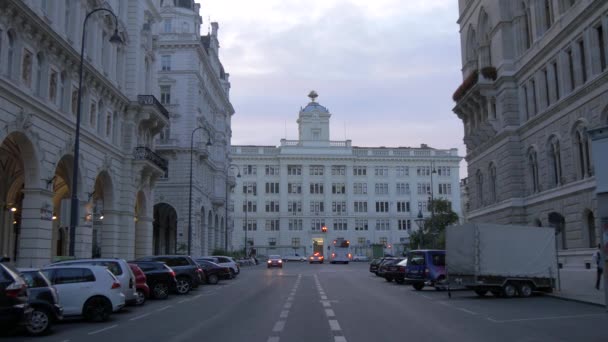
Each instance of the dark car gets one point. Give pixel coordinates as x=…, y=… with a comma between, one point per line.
x=214, y=272
x=425, y=267
x=42, y=297
x=159, y=277
x=373, y=266
x=187, y=272
x=143, y=290
x=14, y=309
x=383, y=267
x=396, y=272
x=274, y=261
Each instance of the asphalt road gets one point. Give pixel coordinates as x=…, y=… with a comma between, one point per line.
x=304, y=303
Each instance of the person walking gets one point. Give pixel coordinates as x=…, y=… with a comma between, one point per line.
x=598, y=257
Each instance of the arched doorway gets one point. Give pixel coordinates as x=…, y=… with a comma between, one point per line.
x=557, y=221
x=165, y=229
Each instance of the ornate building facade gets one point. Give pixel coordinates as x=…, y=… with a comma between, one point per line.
x=368, y=195
x=535, y=81
x=40, y=43
x=195, y=89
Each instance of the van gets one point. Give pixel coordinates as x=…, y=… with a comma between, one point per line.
x=425, y=267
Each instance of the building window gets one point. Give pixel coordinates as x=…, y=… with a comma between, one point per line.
x=294, y=207
x=492, y=172
x=381, y=171
x=338, y=207
x=165, y=94
x=108, y=124
x=423, y=206
x=93, y=114
x=571, y=69
x=360, y=207
x=403, y=188
x=383, y=224
x=546, y=87
x=340, y=224
x=338, y=170
x=338, y=188
x=250, y=170
x=294, y=188
x=165, y=62
x=26, y=68
x=272, y=188
x=527, y=26
x=445, y=189
x=404, y=224
x=424, y=188
x=316, y=188
x=534, y=101
x=272, y=206
x=445, y=171
x=294, y=170
x=548, y=6
x=295, y=224
x=360, y=188
x=272, y=170
x=167, y=25
x=524, y=89
x=295, y=242
x=272, y=241
x=403, y=207
x=533, y=166
x=272, y=225
x=479, y=177
x=53, y=86
x=423, y=171
x=74, y=100
x=316, y=170
x=556, y=161
x=582, y=151
x=381, y=188
x=556, y=78
x=250, y=206
x=382, y=207
x=361, y=224
x=317, y=207
x=316, y=224
x=361, y=241
x=403, y=171
x=601, y=45
x=582, y=55
x=359, y=171
x=250, y=188
x=39, y=72
x=250, y=225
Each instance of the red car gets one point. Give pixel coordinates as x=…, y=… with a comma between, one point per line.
x=143, y=291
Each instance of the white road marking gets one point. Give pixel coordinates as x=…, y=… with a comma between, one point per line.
x=339, y=339
x=325, y=303
x=278, y=326
x=468, y=311
x=164, y=308
x=140, y=316
x=542, y=318
x=65, y=341
x=197, y=296
x=183, y=301
x=104, y=329
x=335, y=326
x=273, y=339
x=324, y=297
x=330, y=312
x=287, y=306
x=442, y=302
x=284, y=313
x=425, y=296
x=290, y=298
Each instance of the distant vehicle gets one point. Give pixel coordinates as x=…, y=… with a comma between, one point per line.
x=506, y=260
x=360, y=258
x=14, y=307
x=91, y=291
x=159, y=277
x=294, y=257
x=425, y=268
x=340, y=252
x=396, y=272
x=275, y=261
x=43, y=299
x=143, y=290
x=316, y=258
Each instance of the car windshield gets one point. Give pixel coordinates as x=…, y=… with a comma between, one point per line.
x=274, y=257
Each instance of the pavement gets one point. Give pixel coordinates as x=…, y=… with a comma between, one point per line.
x=579, y=285
x=336, y=303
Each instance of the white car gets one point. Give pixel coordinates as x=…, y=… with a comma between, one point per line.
x=91, y=291
x=294, y=257
x=227, y=261
x=360, y=258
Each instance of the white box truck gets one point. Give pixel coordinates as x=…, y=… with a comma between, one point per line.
x=505, y=260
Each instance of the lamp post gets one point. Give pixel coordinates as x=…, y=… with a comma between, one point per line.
x=190, y=196
x=420, y=223
x=74, y=201
x=226, y=228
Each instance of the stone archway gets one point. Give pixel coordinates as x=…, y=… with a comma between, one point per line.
x=557, y=221
x=165, y=229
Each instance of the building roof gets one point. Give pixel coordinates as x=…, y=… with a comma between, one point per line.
x=314, y=107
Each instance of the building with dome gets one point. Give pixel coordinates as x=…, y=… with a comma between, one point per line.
x=285, y=194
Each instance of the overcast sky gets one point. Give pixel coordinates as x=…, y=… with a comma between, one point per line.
x=385, y=69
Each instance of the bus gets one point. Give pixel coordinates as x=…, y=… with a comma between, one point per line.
x=340, y=251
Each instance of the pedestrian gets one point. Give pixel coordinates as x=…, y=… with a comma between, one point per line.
x=598, y=257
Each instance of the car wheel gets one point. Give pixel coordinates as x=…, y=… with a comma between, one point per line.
x=524, y=290
x=213, y=279
x=140, y=297
x=418, y=286
x=481, y=293
x=39, y=323
x=183, y=285
x=388, y=279
x=97, y=309
x=400, y=281
x=376, y=273
x=160, y=291
x=232, y=274
x=509, y=290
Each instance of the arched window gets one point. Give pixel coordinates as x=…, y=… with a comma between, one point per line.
x=583, y=158
x=555, y=161
x=479, y=179
x=533, y=170
x=526, y=25
x=548, y=8
x=492, y=173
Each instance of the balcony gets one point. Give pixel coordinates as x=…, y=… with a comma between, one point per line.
x=143, y=153
x=150, y=100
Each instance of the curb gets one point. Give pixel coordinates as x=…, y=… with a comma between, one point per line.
x=570, y=299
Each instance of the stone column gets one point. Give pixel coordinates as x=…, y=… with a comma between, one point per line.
x=144, y=232
x=83, y=248
x=110, y=232
x=36, y=232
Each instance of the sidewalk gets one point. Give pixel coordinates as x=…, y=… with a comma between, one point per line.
x=579, y=285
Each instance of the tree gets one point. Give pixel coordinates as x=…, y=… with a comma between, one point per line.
x=433, y=233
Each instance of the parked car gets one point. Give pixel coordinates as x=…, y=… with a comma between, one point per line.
x=396, y=272
x=142, y=288
x=91, y=291
x=360, y=258
x=373, y=266
x=294, y=257
x=43, y=299
x=187, y=272
x=14, y=307
x=316, y=258
x=119, y=267
x=425, y=267
x=214, y=272
x=383, y=267
x=227, y=261
x=274, y=261
x=159, y=277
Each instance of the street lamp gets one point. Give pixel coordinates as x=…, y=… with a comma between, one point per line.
x=74, y=203
x=226, y=227
x=420, y=223
x=190, y=197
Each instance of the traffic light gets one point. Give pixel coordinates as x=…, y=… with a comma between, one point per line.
x=324, y=229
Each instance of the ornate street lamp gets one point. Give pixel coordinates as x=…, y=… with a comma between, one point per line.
x=74, y=202
x=190, y=196
x=420, y=221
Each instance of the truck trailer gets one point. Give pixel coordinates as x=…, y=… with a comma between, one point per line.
x=506, y=260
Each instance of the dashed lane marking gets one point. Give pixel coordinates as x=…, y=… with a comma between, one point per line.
x=339, y=339
x=330, y=312
x=325, y=303
x=102, y=330
x=334, y=325
x=163, y=308
x=273, y=339
x=140, y=316
x=542, y=318
x=287, y=306
x=284, y=313
x=467, y=311
x=278, y=326
x=324, y=297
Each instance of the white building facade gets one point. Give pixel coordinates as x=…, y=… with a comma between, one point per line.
x=195, y=89
x=120, y=116
x=286, y=194
x=534, y=82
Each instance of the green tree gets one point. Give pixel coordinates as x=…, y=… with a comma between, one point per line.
x=433, y=233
